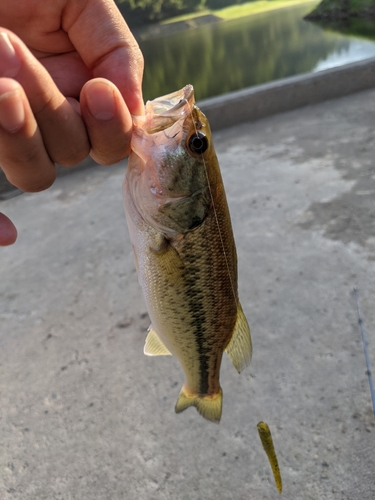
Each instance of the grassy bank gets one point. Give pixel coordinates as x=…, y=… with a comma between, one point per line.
x=236, y=11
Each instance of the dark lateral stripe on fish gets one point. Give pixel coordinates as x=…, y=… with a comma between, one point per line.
x=201, y=322
x=198, y=322
x=203, y=365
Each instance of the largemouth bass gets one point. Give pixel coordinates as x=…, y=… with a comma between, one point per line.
x=184, y=249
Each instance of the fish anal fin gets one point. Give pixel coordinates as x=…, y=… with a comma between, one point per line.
x=208, y=406
x=240, y=348
x=154, y=346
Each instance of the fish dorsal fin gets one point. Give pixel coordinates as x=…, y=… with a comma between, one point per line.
x=154, y=346
x=239, y=348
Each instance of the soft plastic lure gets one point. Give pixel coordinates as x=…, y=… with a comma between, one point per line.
x=266, y=438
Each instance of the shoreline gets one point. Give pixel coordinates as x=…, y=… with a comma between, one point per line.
x=242, y=10
x=196, y=19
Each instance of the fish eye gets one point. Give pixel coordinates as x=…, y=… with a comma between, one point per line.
x=197, y=143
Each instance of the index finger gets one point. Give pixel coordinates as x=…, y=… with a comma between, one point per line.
x=8, y=233
x=104, y=41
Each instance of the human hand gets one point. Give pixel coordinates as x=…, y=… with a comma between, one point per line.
x=51, y=54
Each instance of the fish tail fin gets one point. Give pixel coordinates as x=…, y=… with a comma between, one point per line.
x=208, y=406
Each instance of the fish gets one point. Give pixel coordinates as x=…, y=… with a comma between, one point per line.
x=267, y=443
x=184, y=249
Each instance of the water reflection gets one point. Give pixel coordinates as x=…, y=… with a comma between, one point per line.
x=356, y=51
x=227, y=56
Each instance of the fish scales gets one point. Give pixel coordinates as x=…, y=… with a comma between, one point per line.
x=202, y=311
x=184, y=249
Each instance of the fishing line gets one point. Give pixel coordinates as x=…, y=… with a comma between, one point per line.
x=215, y=213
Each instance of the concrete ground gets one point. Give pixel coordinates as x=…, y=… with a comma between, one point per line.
x=85, y=415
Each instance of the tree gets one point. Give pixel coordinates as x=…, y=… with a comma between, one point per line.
x=349, y=17
x=339, y=10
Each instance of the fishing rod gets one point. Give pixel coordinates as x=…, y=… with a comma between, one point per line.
x=363, y=333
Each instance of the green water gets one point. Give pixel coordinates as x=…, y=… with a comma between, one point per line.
x=227, y=56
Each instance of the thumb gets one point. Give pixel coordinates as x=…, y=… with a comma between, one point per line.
x=105, y=43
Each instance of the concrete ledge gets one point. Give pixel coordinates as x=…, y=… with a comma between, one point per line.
x=286, y=94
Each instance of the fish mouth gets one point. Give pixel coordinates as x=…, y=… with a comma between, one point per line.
x=162, y=112
x=171, y=104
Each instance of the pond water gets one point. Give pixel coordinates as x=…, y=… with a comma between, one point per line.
x=227, y=56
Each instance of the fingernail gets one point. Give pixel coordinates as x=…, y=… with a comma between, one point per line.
x=12, y=113
x=9, y=62
x=100, y=100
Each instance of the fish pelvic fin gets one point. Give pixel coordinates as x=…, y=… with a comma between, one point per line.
x=240, y=348
x=154, y=346
x=208, y=406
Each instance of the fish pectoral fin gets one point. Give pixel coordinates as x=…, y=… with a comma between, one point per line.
x=153, y=345
x=240, y=348
x=208, y=406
